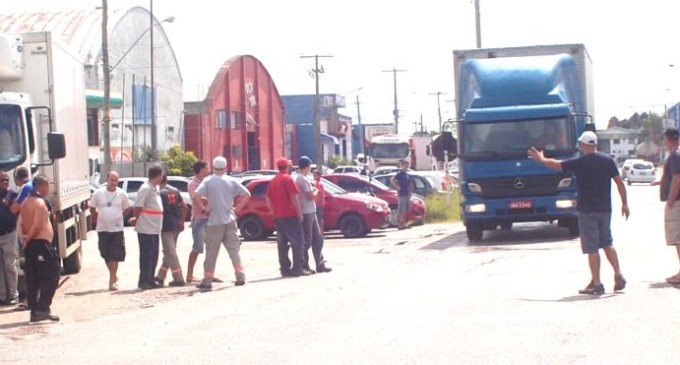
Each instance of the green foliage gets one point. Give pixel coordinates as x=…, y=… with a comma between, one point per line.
x=179, y=162
x=439, y=211
x=337, y=160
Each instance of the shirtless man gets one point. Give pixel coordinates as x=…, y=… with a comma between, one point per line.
x=42, y=260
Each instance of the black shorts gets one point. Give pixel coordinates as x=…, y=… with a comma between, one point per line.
x=112, y=246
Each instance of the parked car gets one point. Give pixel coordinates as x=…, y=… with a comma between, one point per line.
x=347, y=169
x=626, y=166
x=381, y=170
x=371, y=186
x=641, y=172
x=355, y=215
x=424, y=183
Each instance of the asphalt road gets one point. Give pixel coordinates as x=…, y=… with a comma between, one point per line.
x=423, y=295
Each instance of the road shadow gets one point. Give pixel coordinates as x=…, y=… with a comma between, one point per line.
x=87, y=292
x=505, y=239
x=663, y=285
x=575, y=298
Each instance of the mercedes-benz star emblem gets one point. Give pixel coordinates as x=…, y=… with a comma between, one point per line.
x=519, y=183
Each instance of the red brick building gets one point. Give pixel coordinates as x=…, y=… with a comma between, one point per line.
x=241, y=118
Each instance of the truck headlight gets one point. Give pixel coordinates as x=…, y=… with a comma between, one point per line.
x=565, y=204
x=476, y=208
x=374, y=207
x=565, y=183
x=474, y=187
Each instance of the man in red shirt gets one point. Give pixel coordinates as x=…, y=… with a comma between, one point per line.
x=282, y=200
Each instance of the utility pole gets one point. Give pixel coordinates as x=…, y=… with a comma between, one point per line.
x=439, y=108
x=106, y=133
x=361, y=143
x=478, y=24
x=396, y=109
x=317, y=123
x=153, y=86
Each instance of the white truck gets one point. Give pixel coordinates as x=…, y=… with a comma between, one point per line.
x=42, y=110
x=421, y=153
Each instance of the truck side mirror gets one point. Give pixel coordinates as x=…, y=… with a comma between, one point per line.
x=56, y=145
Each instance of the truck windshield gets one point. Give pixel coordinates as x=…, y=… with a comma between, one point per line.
x=510, y=140
x=12, y=149
x=389, y=150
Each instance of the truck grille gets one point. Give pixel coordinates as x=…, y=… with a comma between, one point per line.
x=520, y=186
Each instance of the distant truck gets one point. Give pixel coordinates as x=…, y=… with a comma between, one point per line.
x=42, y=110
x=509, y=99
x=421, y=153
x=388, y=150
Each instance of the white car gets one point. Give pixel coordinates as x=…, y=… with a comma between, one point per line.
x=349, y=169
x=626, y=166
x=641, y=172
x=131, y=184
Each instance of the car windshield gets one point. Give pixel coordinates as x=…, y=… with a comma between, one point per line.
x=511, y=139
x=380, y=185
x=332, y=188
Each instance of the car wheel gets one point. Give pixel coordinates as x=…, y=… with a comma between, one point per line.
x=252, y=228
x=352, y=226
x=474, y=232
x=394, y=217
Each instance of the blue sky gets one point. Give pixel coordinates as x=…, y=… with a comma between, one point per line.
x=631, y=44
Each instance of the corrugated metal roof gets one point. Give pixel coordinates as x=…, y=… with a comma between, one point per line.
x=80, y=29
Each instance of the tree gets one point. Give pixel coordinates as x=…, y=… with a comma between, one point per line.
x=179, y=162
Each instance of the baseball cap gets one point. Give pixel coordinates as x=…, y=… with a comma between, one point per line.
x=589, y=138
x=282, y=163
x=220, y=163
x=671, y=133
x=304, y=162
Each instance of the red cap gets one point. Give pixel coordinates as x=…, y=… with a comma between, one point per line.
x=282, y=163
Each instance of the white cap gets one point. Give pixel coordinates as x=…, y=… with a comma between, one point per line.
x=220, y=163
x=589, y=138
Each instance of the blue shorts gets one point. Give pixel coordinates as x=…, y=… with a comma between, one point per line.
x=198, y=229
x=595, y=231
x=404, y=202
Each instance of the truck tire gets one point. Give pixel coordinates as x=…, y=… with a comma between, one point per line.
x=252, y=228
x=352, y=226
x=474, y=232
x=73, y=263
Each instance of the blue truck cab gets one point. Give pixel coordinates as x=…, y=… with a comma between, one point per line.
x=515, y=99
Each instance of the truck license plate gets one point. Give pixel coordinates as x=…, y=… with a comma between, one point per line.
x=521, y=204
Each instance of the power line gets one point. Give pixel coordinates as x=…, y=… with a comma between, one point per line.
x=395, y=112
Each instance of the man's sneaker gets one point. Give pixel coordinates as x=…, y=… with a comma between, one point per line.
x=204, y=286
x=619, y=282
x=323, y=268
x=177, y=283
x=592, y=289
x=38, y=316
x=298, y=273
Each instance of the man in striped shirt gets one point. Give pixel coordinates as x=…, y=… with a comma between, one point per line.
x=148, y=221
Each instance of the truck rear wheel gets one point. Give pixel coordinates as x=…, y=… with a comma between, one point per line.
x=73, y=263
x=474, y=232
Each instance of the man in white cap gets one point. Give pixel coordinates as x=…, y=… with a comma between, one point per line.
x=221, y=190
x=594, y=172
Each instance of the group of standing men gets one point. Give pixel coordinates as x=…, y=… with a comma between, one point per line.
x=159, y=213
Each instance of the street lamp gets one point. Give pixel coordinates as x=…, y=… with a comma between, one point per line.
x=107, y=78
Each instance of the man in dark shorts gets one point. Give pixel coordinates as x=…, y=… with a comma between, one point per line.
x=282, y=200
x=594, y=172
x=108, y=205
x=402, y=182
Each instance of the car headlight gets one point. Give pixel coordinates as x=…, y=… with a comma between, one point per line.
x=565, y=204
x=565, y=183
x=476, y=208
x=474, y=187
x=374, y=207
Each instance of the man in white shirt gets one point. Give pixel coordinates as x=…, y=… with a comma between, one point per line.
x=108, y=205
x=148, y=222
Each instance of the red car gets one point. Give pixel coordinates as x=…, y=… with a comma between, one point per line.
x=355, y=215
x=363, y=184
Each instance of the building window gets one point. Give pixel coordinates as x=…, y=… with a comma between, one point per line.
x=236, y=120
x=92, y=128
x=615, y=141
x=221, y=119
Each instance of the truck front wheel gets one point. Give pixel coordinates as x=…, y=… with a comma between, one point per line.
x=474, y=232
